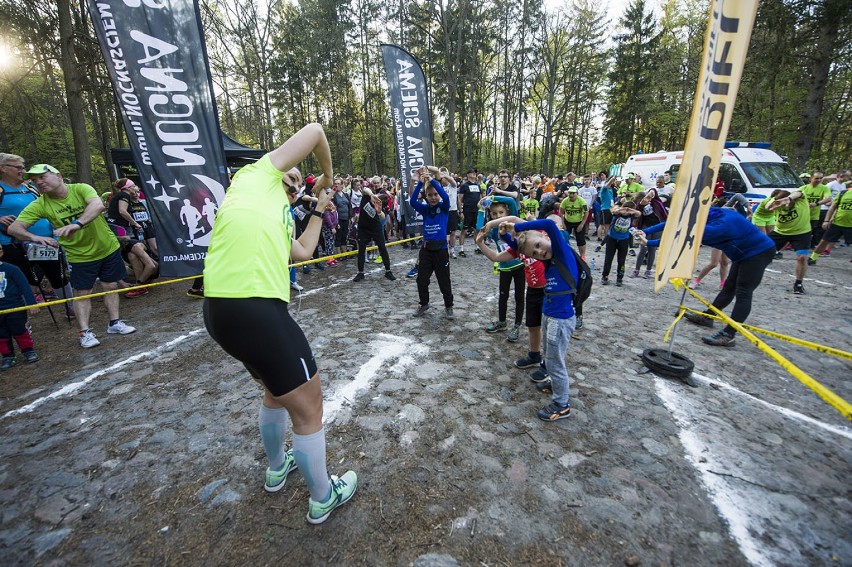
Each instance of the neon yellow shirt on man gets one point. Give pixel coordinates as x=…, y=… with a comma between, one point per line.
x=795, y=219
x=574, y=211
x=249, y=252
x=815, y=195
x=843, y=214
x=94, y=241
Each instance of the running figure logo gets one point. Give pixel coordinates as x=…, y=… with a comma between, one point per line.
x=190, y=217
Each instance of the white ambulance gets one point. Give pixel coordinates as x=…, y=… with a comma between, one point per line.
x=750, y=168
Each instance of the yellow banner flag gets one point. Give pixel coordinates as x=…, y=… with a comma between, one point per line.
x=725, y=48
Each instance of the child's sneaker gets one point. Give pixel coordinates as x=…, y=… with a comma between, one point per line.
x=694, y=283
x=634, y=274
x=514, y=334
x=545, y=387
x=342, y=490
x=554, y=411
x=722, y=284
x=412, y=272
x=30, y=356
x=88, y=339
x=539, y=376
x=8, y=362
x=275, y=479
x=421, y=309
x=389, y=276
x=605, y=280
x=528, y=362
x=579, y=322
x=377, y=260
x=648, y=274
x=494, y=327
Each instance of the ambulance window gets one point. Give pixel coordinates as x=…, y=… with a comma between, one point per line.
x=732, y=178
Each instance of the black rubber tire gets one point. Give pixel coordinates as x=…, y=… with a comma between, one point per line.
x=659, y=362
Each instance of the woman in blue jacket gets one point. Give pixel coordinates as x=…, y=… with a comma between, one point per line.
x=750, y=251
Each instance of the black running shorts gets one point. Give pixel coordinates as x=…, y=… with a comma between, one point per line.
x=260, y=333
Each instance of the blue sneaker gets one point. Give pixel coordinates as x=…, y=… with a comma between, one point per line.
x=554, y=411
x=412, y=272
x=539, y=376
x=275, y=479
x=342, y=490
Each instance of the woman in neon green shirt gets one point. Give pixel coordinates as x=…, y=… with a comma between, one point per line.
x=247, y=289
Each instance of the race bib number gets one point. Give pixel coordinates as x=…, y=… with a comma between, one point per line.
x=622, y=224
x=42, y=253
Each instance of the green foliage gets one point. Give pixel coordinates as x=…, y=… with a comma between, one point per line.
x=511, y=85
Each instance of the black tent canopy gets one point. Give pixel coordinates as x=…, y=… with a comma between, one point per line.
x=236, y=154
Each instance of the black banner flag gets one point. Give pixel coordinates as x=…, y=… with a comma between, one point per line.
x=412, y=125
x=155, y=53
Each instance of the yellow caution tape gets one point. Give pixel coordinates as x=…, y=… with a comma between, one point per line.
x=186, y=279
x=833, y=399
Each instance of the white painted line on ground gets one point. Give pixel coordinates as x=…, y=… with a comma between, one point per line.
x=836, y=429
x=387, y=348
x=74, y=387
x=729, y=506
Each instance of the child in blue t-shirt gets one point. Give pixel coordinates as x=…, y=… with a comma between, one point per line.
x=15, y=291
x=434, y=255
x=558, y=309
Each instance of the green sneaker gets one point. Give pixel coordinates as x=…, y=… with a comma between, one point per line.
x=342, y=490
x=275, y=478
x=496, y=326
x=514, y=333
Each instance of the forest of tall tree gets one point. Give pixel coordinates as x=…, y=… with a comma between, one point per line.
x=512, y=83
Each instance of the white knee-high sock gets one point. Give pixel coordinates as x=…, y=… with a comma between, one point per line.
x=273, y=426
x=309, y=452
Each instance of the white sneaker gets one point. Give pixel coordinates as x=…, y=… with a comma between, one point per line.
x=297, y=287
x=88, y=339
x=120, y=328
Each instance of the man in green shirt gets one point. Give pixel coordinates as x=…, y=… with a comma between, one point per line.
x=74, y=210
x=817, y=195
x=575, y=212
x=630, y=187
x=838, y=222
x=793, y=225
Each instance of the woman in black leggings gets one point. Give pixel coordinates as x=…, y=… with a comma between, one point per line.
x=247, y=290
x=750, y=251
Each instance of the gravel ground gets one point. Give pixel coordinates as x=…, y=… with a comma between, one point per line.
x=145, y=450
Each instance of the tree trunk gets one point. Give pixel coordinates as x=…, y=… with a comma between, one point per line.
x=74, y=93
x=820, y=65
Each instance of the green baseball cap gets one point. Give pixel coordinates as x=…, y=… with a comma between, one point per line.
x=39, y=169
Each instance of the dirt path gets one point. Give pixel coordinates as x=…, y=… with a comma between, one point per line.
x=158, y=461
